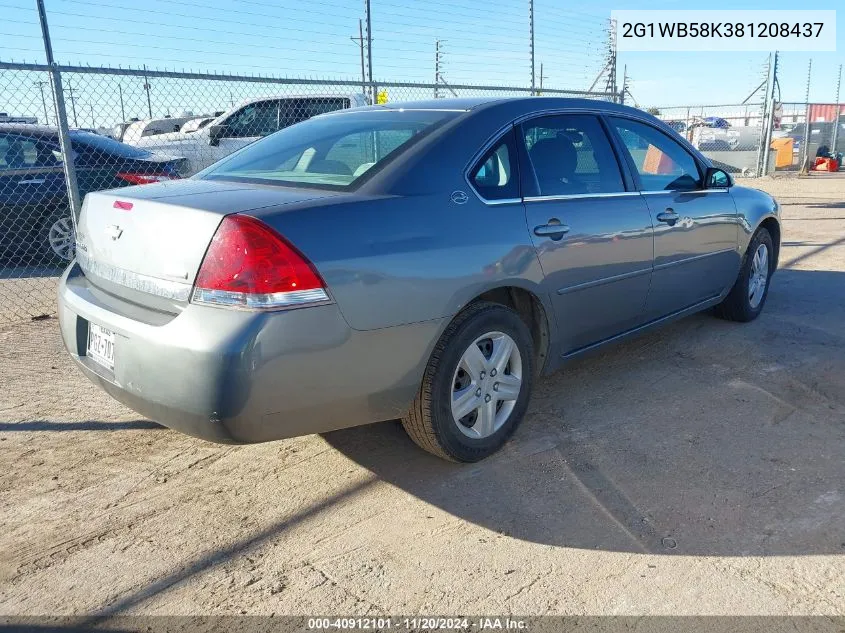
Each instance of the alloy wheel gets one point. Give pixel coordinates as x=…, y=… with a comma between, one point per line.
x=62, y=239
x=486, y=385
x=759, y=276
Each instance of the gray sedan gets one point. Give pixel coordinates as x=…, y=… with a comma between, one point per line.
x=423, y=261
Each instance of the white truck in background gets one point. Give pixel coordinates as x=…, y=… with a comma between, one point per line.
x=242, y=125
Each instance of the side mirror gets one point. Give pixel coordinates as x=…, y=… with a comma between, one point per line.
x=215, y=133
x=717, y=179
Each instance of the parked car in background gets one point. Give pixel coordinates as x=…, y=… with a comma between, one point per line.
x=679, y=126
x=35, y=224
x=139, y=130
x=420, y=260
x=195, y=124
x=244, y=124
x=821, y=133
x=118, y=130
x=712, y=122
x=5, y=117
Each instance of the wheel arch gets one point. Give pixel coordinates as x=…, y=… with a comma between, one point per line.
x=772, y=225
x=533, y=312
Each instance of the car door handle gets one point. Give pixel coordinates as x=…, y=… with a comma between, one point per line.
x=554, y=229
x=32, y=181
x=668, y=216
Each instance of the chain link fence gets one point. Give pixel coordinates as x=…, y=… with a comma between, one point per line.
x=826, y=132
x=750, y=140
x=729, y=135
x=133, y=127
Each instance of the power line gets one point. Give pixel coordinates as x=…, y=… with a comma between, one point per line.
x=195, y=17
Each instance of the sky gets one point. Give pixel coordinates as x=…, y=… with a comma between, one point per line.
x=480, y=43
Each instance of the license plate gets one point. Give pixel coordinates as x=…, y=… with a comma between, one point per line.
x=101, y=345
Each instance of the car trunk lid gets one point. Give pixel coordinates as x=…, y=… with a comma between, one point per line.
x=149, y=241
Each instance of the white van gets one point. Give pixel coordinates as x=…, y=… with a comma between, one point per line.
x=244, y=124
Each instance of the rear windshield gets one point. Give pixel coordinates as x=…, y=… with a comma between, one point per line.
x=108, y=145
x=332, y=152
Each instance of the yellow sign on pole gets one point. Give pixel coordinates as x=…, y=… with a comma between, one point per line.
x=381, y=98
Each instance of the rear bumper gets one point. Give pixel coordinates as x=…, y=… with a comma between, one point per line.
x=238, y=377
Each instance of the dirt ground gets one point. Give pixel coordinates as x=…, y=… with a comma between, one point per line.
x=695, y=470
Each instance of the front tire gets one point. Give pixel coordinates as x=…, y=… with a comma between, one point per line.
x=748, y=296
x=476, y=385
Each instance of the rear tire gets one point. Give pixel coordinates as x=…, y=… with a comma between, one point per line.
x=746, y=299
x=61, y=239
x=476, y=386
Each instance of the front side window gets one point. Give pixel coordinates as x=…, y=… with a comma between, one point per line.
x=495, y=175
x=571, y=155
x=332, y=151
x=662, y=164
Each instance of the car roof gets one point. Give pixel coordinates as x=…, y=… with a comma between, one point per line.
x=457, y=103
x=39, y=130
x=525, y=103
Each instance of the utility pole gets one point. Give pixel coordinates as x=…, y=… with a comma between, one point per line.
x=436, y=69
x=625, y=86
x=41, y=85
x=768, y=119
x=610, y=85
x=805, y=149
x=147, y=88
x=540, y=92
x=72, y=98
x=122, y=111
x=609, y=67
x=531, y=41
x=368, y=14
x=836, y=119
x=93, y=124
x=360, y=41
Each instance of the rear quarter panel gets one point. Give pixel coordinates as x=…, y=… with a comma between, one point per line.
x=400, y=251
x=395, y=260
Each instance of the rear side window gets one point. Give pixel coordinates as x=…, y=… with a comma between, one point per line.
x=661, y=162
x=495, y=175
x=570, y=155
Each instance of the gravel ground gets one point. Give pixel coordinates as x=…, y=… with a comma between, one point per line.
x=695, y=470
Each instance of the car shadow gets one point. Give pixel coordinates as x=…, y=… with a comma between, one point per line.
x=28, y=271
x=705, y=438
x=827, y=205
x=87, y=425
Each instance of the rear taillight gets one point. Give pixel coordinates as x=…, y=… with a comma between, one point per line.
x=144, y=179
x=249, y=265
